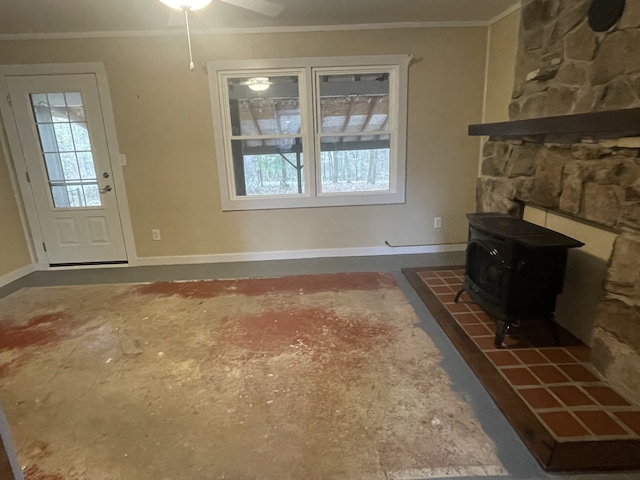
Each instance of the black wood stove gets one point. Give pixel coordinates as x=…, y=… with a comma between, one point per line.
x=514, y=269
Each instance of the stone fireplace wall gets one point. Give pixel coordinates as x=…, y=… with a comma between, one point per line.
x=563, y=67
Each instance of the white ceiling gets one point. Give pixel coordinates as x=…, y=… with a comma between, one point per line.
x=75, y=16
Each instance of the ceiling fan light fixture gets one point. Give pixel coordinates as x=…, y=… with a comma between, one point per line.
x=186, y=4
x=259, y=84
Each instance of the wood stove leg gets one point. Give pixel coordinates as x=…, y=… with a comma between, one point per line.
x=457, y=297
x=502, y=328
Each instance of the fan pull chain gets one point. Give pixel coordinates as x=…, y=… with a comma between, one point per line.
x=186, y=18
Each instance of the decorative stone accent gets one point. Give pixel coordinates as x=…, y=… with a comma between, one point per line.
x=632, y=194
x=538, y=13
x=560, y=100
x=619, y=317
x=496, y=195
x=630, y=19
x=488, y=148
x=542, y=74
x=531, y=41
x=491, y=167
x=547, y=185
x=573, y=73
x=581, y=44
x=618, y=94
x=602, y=203
x=588, y=99
x=630, y=216
x=571, y=196
x=628, y=142
x=611, y=59
x=572, y=14
x=588, y=151
x=522, y=160
x=533, y=106
x=623, y=277
x=615, y=170
x=617, y=362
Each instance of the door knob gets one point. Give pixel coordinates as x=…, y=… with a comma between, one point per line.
x=106, y=189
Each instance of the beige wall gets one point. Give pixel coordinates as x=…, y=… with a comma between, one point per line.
x=14, y=253
x=164, y=126
x=503, y=47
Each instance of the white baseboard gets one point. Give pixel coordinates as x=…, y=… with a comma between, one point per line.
x=16, y=275
x=296, y=254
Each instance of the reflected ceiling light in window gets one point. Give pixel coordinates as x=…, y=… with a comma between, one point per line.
x=258, y=84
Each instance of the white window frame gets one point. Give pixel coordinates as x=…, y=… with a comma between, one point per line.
x=397, y=65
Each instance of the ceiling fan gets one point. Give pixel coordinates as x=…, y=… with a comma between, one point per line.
x=263, y=7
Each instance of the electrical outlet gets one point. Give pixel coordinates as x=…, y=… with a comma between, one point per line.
x=155, y=233
x=437, y=222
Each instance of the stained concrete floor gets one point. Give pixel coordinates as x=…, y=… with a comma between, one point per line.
x=510, y=450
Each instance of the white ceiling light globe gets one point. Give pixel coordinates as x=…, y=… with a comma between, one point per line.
x=186, y=4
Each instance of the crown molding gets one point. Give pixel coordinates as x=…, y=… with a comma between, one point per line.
x=243, y=30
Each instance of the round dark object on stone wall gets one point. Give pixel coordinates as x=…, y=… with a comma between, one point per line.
x=603, y=14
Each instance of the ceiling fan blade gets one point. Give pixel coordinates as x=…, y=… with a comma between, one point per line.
x=264, y=7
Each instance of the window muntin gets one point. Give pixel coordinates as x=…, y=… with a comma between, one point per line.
x=313, y=168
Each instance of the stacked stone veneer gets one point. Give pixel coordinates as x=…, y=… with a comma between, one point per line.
x=563, y=67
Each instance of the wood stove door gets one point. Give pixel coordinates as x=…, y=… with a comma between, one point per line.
x=487, y=272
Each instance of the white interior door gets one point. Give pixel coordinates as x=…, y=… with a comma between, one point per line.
x=61, y=130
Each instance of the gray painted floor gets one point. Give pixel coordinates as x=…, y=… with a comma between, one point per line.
x=512, y=452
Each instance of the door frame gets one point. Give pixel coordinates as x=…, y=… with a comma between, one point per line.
x=18, y=167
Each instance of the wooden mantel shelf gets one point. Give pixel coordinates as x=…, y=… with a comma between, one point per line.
x=599, y=125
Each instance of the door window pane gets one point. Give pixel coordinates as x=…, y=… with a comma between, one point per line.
x=80, y=136
x=70, y=166
x=54, y=166
x=87, y=169
x=66, y=149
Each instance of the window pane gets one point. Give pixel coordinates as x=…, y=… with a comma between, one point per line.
x=63, y=135
x=274, y=168
x=54, y=166
x=41, y=109
x=273, y=111
x=80, y=136
x=354, y=102
x=48, y=140
x=76, y=195
x=73, y=99
x=70, y=166
x=349, y=164
x=66, y=149
x=87, y=169
x=91, y=195
x=60, y=197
